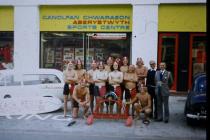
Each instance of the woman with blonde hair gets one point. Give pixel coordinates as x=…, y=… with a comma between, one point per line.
x=70, y=78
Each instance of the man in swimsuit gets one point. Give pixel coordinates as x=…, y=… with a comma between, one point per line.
x=81, y=97
x=142, y=104
x=130, y=80
x=141, y=71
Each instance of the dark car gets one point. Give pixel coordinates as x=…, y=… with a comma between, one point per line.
x=196, y=103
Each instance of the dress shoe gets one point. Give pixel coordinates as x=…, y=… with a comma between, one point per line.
x=166, y=121
x=159, y=120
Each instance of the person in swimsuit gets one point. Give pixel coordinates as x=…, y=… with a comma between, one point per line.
x=80, y=71
x=141, y=71
x=130, y=80
x=70, y=78
x=115, y=79
x=100, y=78
x=81, y=98
x=142, y=104
x=91, y=83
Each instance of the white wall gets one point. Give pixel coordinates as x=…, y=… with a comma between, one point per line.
x=26, y=37
x=26, y=27
x=145, y=33
x=79, y=2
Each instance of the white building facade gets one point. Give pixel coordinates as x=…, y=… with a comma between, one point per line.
x=33, y=25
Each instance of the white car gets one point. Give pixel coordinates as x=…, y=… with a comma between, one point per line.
x=40, y=82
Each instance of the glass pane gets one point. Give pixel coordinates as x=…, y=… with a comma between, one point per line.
x=58, y=48
x=6, y=50
x=168, y=52
x=199, y=54
x=103, y=45
x=34, y=79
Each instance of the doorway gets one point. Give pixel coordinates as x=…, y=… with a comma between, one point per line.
x=168, y=53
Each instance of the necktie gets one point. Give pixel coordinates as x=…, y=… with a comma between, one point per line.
x=161, y=76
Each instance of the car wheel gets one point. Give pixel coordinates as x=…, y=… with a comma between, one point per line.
x=191, y=121
x=7, y=96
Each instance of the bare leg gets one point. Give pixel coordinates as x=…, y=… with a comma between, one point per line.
x=119, y=106
x=137, y=108
x=75, y=112
x=91, y=103
x=86, y=107
x=65, y=105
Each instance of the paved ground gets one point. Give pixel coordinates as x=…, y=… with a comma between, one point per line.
x=53, y=126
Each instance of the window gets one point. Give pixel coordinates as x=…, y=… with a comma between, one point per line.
x=6, y=50
x=36, y=79
x=57, y=48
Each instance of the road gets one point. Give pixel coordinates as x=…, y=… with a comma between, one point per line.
x=53, y=126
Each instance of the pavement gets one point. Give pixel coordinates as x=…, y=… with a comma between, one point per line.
x=53, y=126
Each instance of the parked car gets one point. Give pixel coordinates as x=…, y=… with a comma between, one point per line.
x=196, y=103
x=41, y=82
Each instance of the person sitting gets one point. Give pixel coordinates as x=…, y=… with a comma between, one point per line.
x=142, y=104
x=81, y=97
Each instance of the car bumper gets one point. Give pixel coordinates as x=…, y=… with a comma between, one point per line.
x=198, y=116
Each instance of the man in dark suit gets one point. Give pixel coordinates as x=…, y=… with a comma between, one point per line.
x=150, y=83
x=163, y=80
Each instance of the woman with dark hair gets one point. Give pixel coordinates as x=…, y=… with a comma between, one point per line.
x=80, y=71
x=100, y=78
x=115, y=79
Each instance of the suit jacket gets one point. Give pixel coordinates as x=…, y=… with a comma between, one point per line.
x=150, y=82
x=163, y=85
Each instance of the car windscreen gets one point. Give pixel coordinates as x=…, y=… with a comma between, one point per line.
x=35, y=79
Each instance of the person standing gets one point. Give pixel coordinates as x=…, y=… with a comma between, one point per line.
x=163, y=80
x=141, y=71
x=150, y=83
x=115, y=78
x=70, y=78
x=130, y=80
x=91, y=83
x=100, y=78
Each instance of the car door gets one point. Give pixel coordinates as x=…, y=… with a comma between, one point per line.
x=43, y=85
x=11, y=85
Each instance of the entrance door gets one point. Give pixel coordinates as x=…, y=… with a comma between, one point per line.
x=168, y=53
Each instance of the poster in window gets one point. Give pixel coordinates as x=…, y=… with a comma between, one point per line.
x=99, y=54
x=68, y=54
x=50, y=55
x=58, y=55
x=79, y=54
